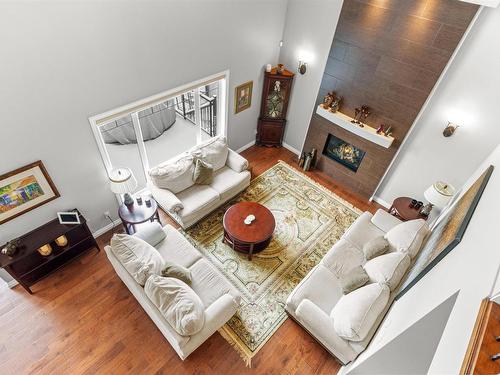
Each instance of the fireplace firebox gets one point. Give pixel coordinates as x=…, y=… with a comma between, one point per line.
x=342, y=152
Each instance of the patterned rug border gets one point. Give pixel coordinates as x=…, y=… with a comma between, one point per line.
x=225, y=331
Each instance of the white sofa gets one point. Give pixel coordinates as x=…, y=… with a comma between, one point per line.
x=312, y=303
x=219, y=297
x=173, y=188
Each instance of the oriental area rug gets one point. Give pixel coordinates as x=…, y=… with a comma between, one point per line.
x=309, y=220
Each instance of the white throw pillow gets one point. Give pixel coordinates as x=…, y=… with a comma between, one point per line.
x=214, y=152
x=138, y=257
x=175, y=175
x=178, y=303
x=388, y=269
x=355, y=313
x=407, y=237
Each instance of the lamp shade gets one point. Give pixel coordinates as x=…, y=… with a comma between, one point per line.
x=439, y=194
x=122, y=181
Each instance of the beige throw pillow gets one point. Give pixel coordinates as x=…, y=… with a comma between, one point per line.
x=138, y=257
x=375, y=247
x=175, y=175
x=388, y=269
x=178, y=303
x=177, y=271
x=203, y=173
x=354, y=279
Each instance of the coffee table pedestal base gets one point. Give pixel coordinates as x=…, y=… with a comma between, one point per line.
x=244, y=247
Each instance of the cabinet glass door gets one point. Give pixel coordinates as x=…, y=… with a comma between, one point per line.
x=276, y=99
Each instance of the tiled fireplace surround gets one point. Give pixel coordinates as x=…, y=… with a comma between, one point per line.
x=387, y=55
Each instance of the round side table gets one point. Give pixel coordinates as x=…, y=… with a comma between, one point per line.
x=137, y=214
x=401, y=209
x=251, y=238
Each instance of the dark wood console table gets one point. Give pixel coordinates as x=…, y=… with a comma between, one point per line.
x=28, y=266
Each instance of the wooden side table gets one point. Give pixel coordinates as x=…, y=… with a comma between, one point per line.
x=401, y=209
x=137, y=214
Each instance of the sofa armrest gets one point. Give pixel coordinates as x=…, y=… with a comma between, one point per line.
x=216, y=315
x=320, y=325
x=384, y=220
x=166, y=199
x=236, y=162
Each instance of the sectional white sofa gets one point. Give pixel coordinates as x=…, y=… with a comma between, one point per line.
x=220, y=299
x=173, y=188
x=345, y=324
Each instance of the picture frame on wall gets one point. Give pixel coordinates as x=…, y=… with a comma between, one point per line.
x=448, y=232
x=243, y=96
x=25, y=189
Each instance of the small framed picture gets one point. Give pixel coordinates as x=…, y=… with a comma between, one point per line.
x=243, y=97
x=70, y=217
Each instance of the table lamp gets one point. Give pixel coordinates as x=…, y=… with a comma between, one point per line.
x=122, y=181
x=438, y=194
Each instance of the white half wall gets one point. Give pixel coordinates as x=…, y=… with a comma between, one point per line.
x=62, y=62
x=471, y=269
x=309, y=29
x=468, y=96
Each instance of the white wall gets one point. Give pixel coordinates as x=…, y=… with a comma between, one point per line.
x=468, y=95
x=470, y=268
x=309, y=29
x=63, y=62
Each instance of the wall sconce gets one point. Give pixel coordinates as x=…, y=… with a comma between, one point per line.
x=302, y=67
x=450, y=129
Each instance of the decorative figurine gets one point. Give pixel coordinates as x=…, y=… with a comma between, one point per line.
x=380, y=129
x=365, y=111
x=357, y=111
x=11, y=247
x=335, y=105
x=361, y=114
x=426, y=210
x=387, y=132
x=328, y=100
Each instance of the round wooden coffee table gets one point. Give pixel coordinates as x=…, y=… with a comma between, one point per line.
x=252, y=238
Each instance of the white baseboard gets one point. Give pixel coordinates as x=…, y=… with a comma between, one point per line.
x=104, y=229
x=290, y=148
x=12, y=283
x=248, y=145
x=381, y=201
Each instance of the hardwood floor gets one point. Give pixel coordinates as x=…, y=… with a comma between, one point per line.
x=83, y=320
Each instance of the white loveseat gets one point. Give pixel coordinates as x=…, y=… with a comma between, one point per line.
x=173, y=188
x=313, y=302
x=220, y=299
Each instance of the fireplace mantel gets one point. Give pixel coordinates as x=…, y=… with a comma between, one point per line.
x=366, y=132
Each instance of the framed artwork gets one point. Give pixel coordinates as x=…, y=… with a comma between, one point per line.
x=243, y=97
x=447, y=232
x=24, y=189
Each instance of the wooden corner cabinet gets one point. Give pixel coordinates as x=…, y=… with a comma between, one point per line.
x=65, y=241
x=273, y=107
